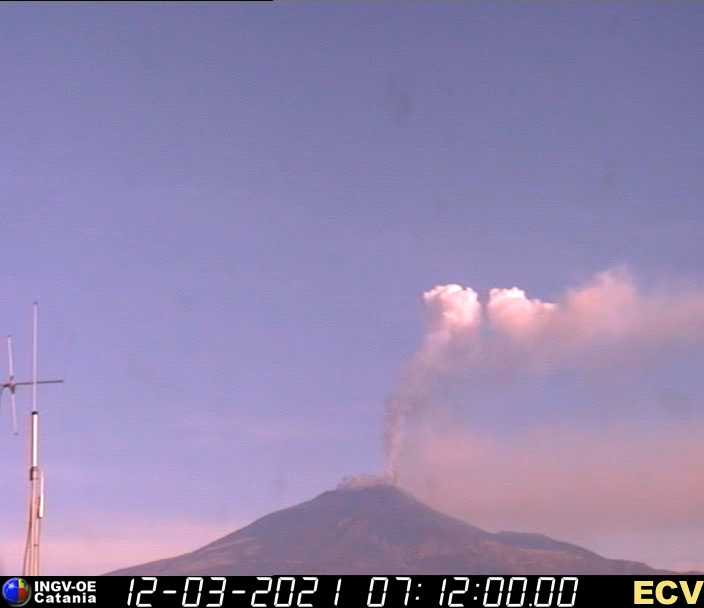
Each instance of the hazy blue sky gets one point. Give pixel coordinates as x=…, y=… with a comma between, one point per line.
x=229, y=212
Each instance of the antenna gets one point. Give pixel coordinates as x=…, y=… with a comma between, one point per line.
x=10, y=384
x=36, y=477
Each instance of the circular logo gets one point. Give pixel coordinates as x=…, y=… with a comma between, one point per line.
x=16, y=592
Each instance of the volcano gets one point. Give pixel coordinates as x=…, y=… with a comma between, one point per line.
x=377, y=529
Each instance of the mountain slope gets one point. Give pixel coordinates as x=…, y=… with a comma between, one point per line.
x=378, y=529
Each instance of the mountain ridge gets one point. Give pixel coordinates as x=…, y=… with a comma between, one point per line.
x=378, y=528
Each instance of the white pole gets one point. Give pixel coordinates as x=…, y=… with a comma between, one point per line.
x=34, y=357
x=35, y=443
x=36, y=506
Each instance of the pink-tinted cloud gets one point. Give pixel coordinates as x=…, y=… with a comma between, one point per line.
x=607, y=322
x=608, y=312
x=101, y=546
x=611, y=315
x=579, y=485
x=511, y=312
x=453, y=308
x=454, y=315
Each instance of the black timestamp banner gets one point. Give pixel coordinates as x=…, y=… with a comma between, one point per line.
x=452, y=591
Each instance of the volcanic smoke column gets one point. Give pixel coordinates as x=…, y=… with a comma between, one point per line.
x=454, y=317
x=606, y=321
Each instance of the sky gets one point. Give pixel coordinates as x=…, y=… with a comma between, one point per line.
x=230, y=214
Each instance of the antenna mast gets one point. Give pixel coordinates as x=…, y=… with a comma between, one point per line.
x=30, y=565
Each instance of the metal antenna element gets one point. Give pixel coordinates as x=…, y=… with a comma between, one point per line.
x=10, y=385
x=36, y=478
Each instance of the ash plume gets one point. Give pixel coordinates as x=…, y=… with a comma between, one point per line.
x=609, y=319
x=454, y=314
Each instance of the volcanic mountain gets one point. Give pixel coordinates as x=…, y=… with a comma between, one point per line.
x=379, y=529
